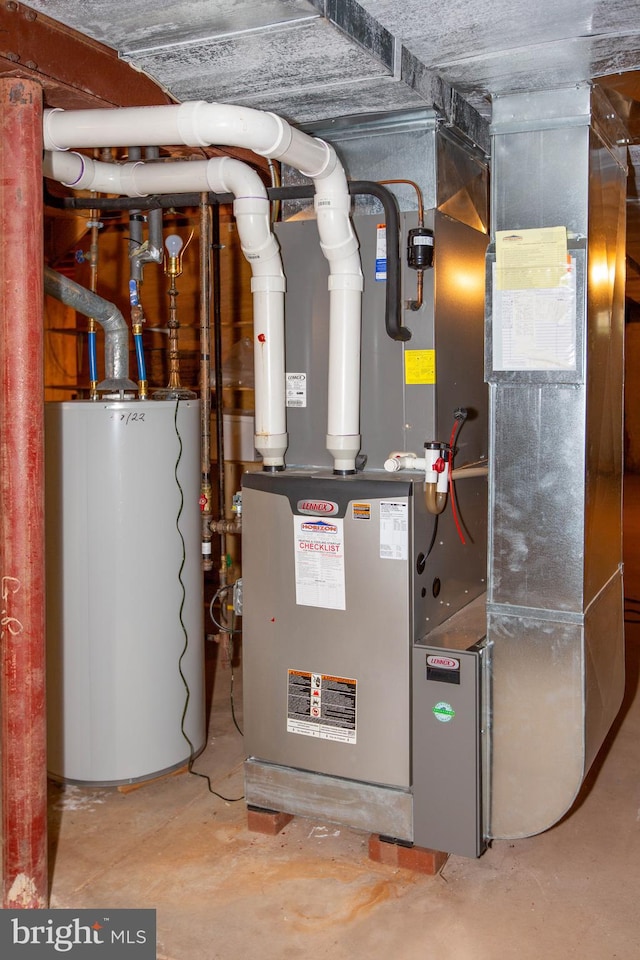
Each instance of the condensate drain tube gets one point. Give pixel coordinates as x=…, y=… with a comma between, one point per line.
x=436, y=477
x=435, y=464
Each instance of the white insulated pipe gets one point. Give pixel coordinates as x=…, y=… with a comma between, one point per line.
x=252, y=212
x=199, y=123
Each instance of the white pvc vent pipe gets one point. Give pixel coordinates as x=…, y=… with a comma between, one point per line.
x=202, y=124
x=259, y=246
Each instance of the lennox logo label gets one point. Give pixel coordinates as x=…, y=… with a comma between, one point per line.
x=321, y=508
x=444, y=663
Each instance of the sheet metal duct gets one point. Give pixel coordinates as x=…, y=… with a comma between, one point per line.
x=555, y=617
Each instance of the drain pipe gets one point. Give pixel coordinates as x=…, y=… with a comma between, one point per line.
x=116, y=333
x=259, y=246
x=202, y=124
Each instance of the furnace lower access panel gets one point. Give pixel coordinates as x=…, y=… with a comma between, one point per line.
x=327, y=574
x=447, y=747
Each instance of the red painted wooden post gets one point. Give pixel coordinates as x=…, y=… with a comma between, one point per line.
x=22, y=689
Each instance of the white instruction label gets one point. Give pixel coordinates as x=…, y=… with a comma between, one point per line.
x=321, y=706
x=381, y=251
x=535, y=327
x=394, y=529
x=319, y=562
x=296, y=387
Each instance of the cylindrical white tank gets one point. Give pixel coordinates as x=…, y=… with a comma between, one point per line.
x=125, y=612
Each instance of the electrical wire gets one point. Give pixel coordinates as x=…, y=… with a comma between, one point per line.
x=433, y=536
x=230, y=633
x=231, y=690
x=191, y=760
x=223, y=589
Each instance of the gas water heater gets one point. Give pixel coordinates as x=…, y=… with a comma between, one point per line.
x=357, y=684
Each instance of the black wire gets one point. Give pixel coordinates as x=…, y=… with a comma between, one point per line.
x=230, y=633
x=231, y=697
x=216, y=596
x=191, y=760
x=433, y=536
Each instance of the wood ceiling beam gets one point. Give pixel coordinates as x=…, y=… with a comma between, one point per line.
x=74, y=71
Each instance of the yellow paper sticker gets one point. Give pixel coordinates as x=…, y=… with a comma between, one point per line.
x=531, y=259
x=419, y=366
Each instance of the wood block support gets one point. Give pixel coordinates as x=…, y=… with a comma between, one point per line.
x=270, y=822
x=399, y=854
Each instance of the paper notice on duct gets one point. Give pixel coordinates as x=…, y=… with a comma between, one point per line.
x=530, y=259
x=394, y=529
x=319, y=562
x=535, y=329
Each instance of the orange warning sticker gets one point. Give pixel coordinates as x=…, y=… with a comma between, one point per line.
x=322, y=706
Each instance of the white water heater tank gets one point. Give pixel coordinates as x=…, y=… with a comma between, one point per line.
x=125, y=612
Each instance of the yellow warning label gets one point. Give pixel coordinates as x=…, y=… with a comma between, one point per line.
x=361, y=511
x=419, y=366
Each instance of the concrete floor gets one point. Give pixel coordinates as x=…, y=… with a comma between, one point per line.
x=222, y=893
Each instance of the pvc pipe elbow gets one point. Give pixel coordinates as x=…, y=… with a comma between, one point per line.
x=403, y=461
x=66, y=168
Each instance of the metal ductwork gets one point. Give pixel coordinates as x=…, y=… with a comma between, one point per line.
x=555, y=543
x=116, y=340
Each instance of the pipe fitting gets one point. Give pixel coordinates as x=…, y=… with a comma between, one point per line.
x=226, y=526
x=403, y=461
x=189, y=123
x=48, y=138
x=435, y=500
x=282, y=142
x=346, y=281
x=199, y=123
x=268, y=284
x=344, y=449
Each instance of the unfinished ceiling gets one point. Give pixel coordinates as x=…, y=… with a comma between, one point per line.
x=311, y=59
x=316, y=59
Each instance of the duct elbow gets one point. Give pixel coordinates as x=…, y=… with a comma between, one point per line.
x=116, y=348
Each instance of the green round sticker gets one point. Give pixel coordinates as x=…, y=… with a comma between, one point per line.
x=443, y=712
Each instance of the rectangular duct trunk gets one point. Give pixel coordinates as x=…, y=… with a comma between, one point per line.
x=555, y=619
